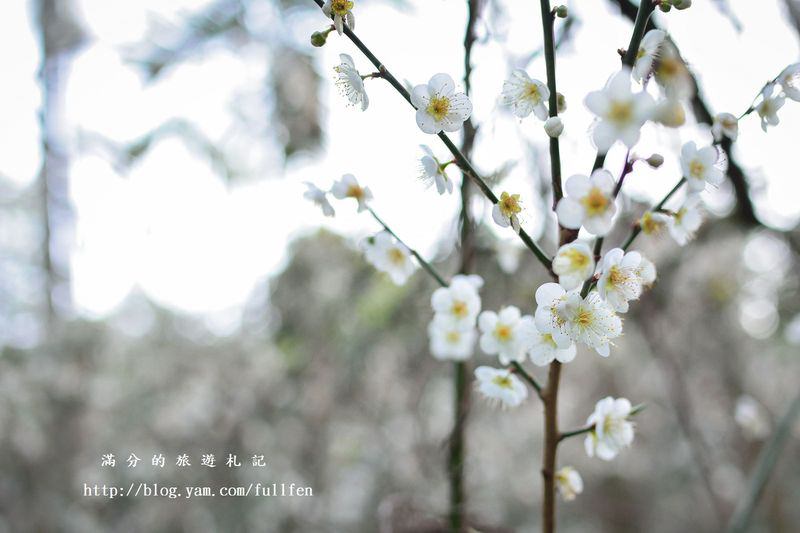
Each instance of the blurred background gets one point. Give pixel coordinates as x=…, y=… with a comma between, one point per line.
x=166, y=289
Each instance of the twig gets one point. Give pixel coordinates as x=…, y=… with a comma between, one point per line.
x=423, y=263
x=527, y=377
x=548, y=18
x=765, y=464
x=461, y=160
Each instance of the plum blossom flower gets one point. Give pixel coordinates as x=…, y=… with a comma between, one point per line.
x=388, y=255
x=439, y=107
x=670, y=113
x=574, y=264
x=590, y=321
x=500, y=386
x=543, y=348
x=569, y=483
x=619, y=280
x=790, y=81
x=725, y=124
x=458, y=304
x=505, y=212
x=432, y=172
x=589, y=203
x=648, y=52
x=621, y=113
x=319, y=198
x=451, y=342
x=646, y=272
x=612, y=430
x=672, y=75
x=506, y=334
x=341, y=11
x=348, y=187
x=698, y=166
x=653, y=222
x=769, y=106
x=525, y=95
x=686, y=221
x=350, y=82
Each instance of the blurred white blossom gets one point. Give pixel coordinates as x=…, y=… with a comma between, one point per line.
x=621, y=113
x=612, y=429
x=388, y=255
x=525, y=95
x=500, y=386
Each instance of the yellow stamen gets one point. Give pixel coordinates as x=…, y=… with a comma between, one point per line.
x=341, y=7
x=503, y=333
x=509, y=204
x=621, y=112
x=697, y=169
x=439, y=107
x=576, y=258
x=503, y=382
x=354, y=191
x=459, y=309
x=397, y=256
x=595, y=202
x=453, y=337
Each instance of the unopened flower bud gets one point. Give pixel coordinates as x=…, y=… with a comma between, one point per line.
x=561, y=103
x=655, y=160
x=319, y=38
x=681, y=4
x=553, y=126
x=562, y=12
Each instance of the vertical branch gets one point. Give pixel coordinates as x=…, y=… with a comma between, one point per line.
x=551, y=439
x=550, y=61
x=461, y=369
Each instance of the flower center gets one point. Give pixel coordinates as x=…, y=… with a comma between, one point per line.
x=616, y=276
x=453, y=337
x=439, y=107
x=697, y=169
x=547, y=338
x=678, y=216
x=621, y=112
x=341, y=7
x=669, y=67
x=509, y=204
x=577, y=259
x=396, y=256
x=651, y=225
x=459, y=309
x=595, y=202
x=532, y=93
x=503, y=333
x=504, y=382
x=584, y=318
x=355, y=191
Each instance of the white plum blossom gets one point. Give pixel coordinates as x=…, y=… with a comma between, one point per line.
x=619, y=280
x=500, y=386
x=432, y=172
x=769, y=106
x=686, y=221
x=350, y=82
x=439, y=107
x=458, y=304
x=525, y=95
x=699, y=166
x=750, y=416
x=348, y=187
x=589, y=320
x=646, y=272
x=554, y=127
x=672, y=75
x=621, y=113
x=648, y=52
x=341, y=11
x=505, y=212
x=319, y=198
x=653, y=222
x=790, y=81
x=612, y=430
x=670, y=113
x=451, y=342
x=574, y=264
x=543, y=348
x=589, y=203
x=388, y=255
x=569, y=483
x=506, y=334
x=725, y=124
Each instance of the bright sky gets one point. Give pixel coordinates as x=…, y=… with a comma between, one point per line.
x=176, y=230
